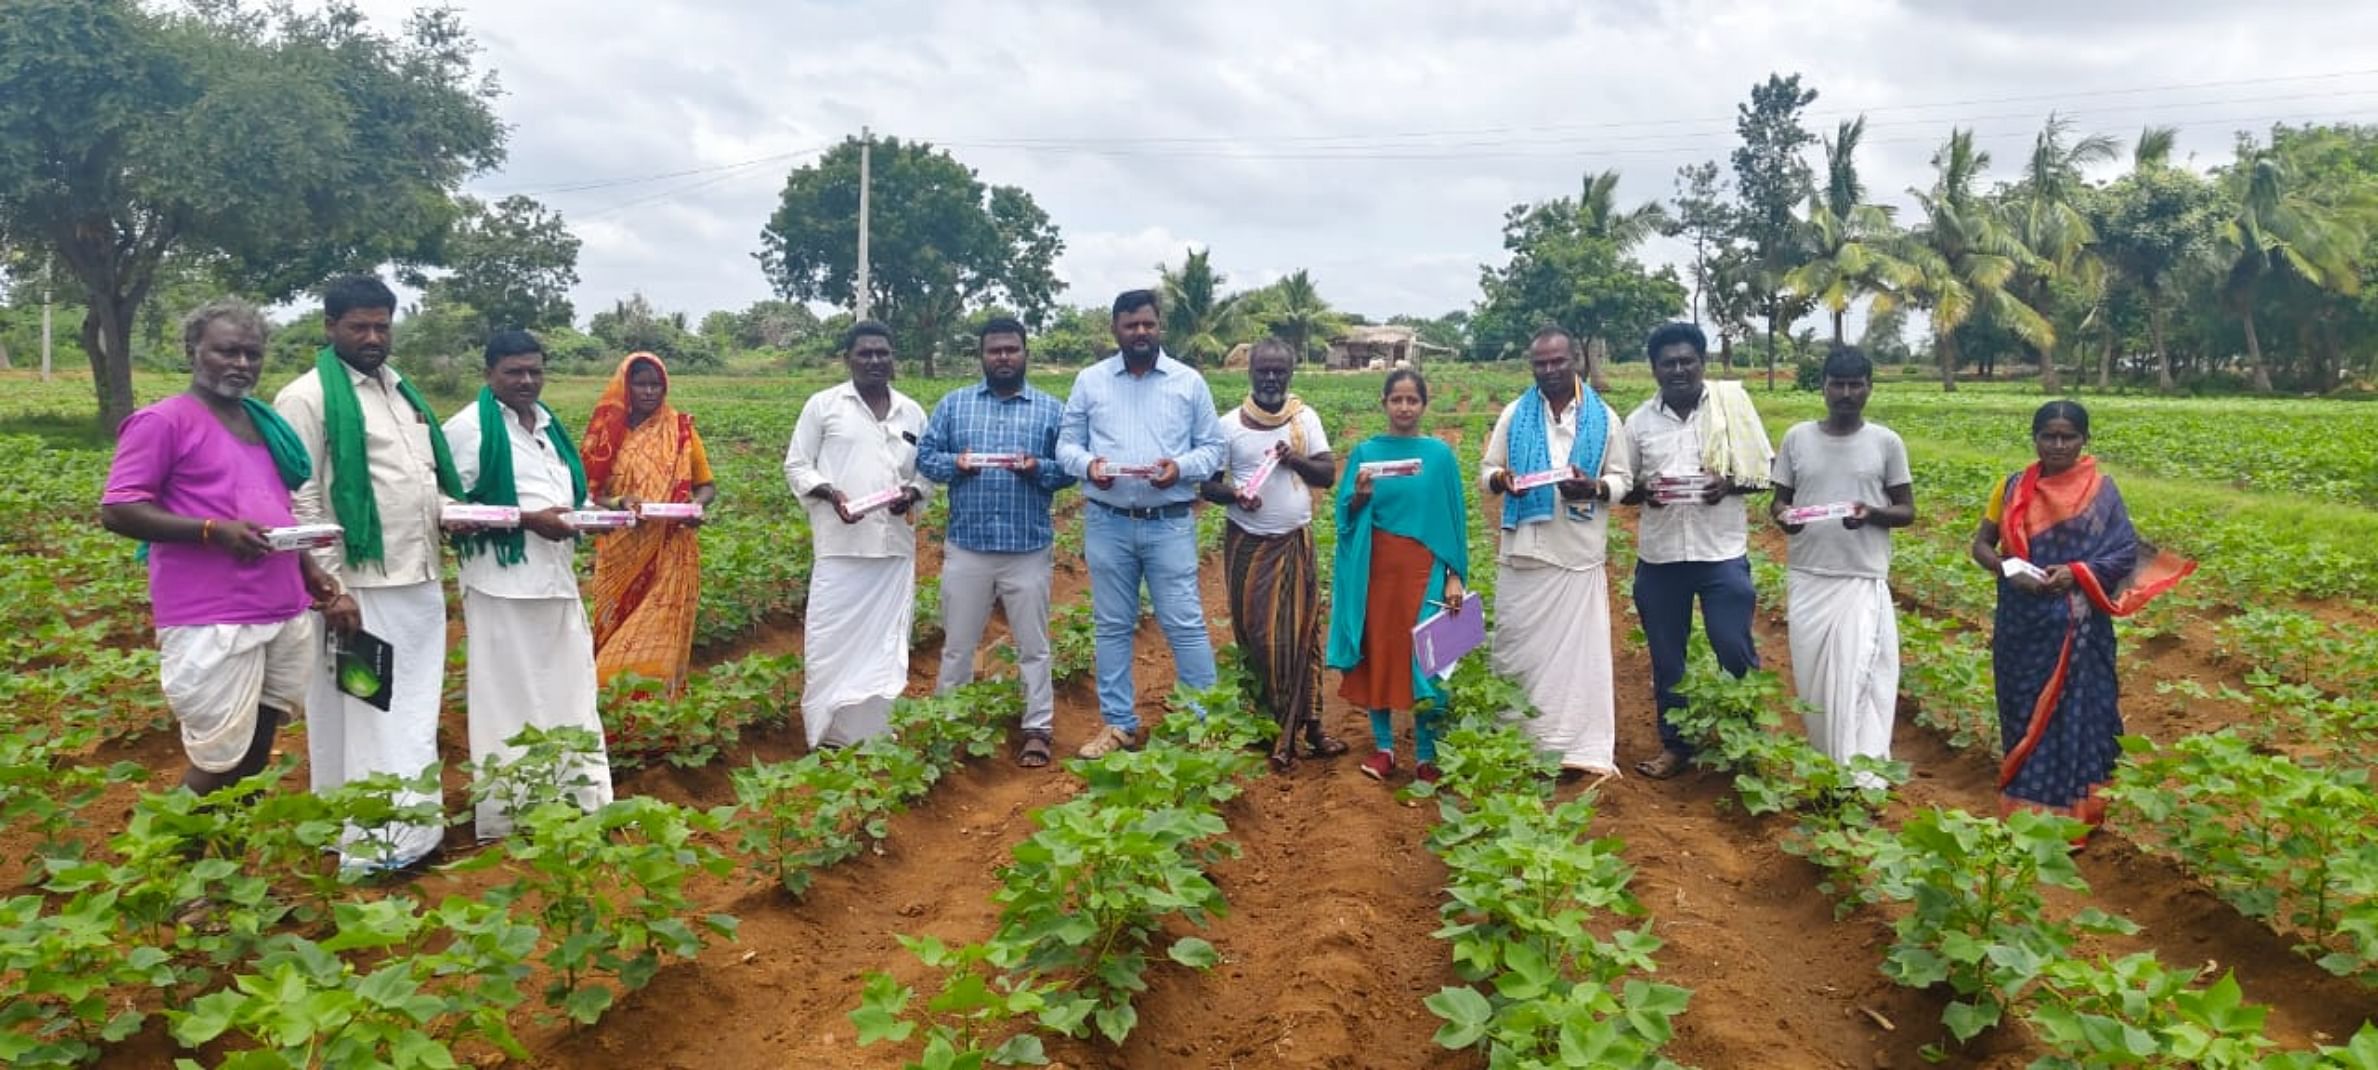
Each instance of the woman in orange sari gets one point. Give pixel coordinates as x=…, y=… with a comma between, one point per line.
x=647, y=578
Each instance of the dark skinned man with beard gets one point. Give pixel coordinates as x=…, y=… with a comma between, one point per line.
x=1278, y=453
x=199, y=478
x=995, y=445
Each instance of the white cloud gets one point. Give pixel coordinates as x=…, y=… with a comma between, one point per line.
x=1375, y=144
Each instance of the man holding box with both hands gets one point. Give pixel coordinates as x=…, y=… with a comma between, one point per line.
x=853, y=464
x=1141, y=431
x=1841, y=484
x=531, y=652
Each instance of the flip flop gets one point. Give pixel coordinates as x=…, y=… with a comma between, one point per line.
x=1034, y=753
x=1325, y=747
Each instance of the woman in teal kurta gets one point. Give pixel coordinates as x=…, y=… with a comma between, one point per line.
x=1403, y=550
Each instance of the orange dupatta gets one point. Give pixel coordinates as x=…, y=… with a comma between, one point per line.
x=647, y=578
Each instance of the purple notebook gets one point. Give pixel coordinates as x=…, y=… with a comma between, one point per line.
x=1439, y=641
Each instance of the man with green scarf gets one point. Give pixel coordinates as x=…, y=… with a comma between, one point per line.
x=382, y=473
x=199, y=478
x=531, y=652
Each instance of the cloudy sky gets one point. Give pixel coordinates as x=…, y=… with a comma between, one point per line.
x=1375, y=143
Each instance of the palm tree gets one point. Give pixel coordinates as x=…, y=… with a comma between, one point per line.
x=1294, y=310
x=1851, y=254
x=1599, y=215
x=1199, y=319
x=2276, y=228
x=1963, y=255
x=2049, y=219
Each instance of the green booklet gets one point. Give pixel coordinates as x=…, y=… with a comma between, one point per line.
x=364, y=665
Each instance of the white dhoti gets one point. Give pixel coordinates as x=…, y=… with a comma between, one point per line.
x=349, y=739
x=531, y=666
x=1845, y=661
x=217, y=676
x=855, y=655
x=1552, y=634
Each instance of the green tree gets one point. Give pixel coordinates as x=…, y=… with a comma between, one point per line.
x=1851, y=242
x=1703, y=217
x=941, y=243
x=1201, y=322
x=280, y=144
x=1601, y=217
x=1773, y=182
x=513, y=262
x=2156, y=226
x=1963, y=254
x=1292, y=308
x=2278, y=228
x=2049, y=218
x=1560, y=272
x=632, y=325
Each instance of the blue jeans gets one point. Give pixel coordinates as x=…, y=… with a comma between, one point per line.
x=1664, y=600
x=1124, y=552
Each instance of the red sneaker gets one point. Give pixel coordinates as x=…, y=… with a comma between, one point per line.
x=1426, y=771
x=1380, y=765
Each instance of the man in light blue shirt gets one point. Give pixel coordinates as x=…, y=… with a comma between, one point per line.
x=1141, y=433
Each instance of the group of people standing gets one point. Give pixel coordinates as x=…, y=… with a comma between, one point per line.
x=202, y=477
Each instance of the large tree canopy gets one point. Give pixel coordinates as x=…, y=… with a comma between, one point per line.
x=1563, y=271
x=941, y=243
x=513, y=261
x=283, y=145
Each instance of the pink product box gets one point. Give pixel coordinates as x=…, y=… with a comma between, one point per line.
x=999, y=460
x=1261, y=475
x=875, y=501
x=669, y=510
x=305, y=536
x=1391, y=469
x=1545, y=478
x=1679, y=489
x=1810, y=514
x=600, y=519
x=499, y=516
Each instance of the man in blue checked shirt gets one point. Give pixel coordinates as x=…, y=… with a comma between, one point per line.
x=995, y=445
x=1140, y=429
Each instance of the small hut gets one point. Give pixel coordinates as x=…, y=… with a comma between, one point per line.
x=1378, y=347
x=1238, y=356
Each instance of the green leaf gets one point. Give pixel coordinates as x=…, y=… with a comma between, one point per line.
x=1023, y=1049
x=586, y=1005
x=1194, y=953
x=1467, y=1015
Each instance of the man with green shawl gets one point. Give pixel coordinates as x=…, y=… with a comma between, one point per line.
x=382, y=473
x=531, y=652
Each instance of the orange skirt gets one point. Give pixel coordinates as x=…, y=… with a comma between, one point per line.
x=1400, y=572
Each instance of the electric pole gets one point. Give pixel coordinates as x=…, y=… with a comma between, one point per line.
x=45, y=319
x=866, y=150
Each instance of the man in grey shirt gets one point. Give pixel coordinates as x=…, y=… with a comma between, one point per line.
x=1841, y=484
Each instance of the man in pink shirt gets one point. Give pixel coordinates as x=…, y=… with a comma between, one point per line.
x=201, y=477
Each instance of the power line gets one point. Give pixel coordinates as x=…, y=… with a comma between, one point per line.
x=1362, y=141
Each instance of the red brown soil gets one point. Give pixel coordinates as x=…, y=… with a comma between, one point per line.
x=1326, y=949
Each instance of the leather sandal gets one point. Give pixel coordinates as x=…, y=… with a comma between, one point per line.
x=1034, y=753
x=1324, y=747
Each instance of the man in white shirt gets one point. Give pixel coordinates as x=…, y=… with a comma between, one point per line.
x=1267, y=547
x=1695, y=447
x=382, y=472
x=1552, y=598
x=853, y=465
x=1844, y=629
x=531, y=652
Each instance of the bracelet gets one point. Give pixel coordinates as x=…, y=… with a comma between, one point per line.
x=206, y=533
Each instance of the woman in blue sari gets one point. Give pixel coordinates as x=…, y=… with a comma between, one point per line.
x=2068, y=562
x=1403, y=549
